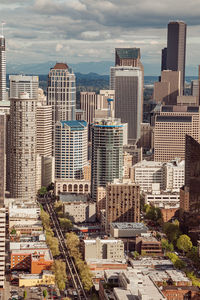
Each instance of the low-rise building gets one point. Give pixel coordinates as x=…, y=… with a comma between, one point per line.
x=80, y=208
x=110, y=249
x=146, y=244
x=32, y=257
x=174, y=175
x=81, y=186
x=163, y=199
x=45, y=278
x=146, y=173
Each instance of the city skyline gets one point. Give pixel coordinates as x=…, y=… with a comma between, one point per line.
x=55, y=30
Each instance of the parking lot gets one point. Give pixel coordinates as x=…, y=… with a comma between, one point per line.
x=33, y=293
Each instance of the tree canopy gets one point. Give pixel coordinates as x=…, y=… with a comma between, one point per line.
x=184, y=243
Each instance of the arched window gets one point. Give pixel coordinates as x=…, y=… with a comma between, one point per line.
x=75, y=188
x=80, y=188
x=64, y=187
x=86, y=188
x=70, y=188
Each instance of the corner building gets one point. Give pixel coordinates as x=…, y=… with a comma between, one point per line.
x=107, y=153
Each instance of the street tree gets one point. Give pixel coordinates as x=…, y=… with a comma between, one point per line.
x=166, y=246
x=59, y=270
x=45, y=294
x=42, y=191
x=172, y=231
x=184, y=243
x=25, y=294
x=65, y=224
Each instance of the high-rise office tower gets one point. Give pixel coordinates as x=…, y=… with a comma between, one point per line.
x=122, y=203
x=164, y=59
x=24, y=84
x=176, y=49
x=2, y=68
x=23, y=147
x=129, y=99
x=71, y=149
x=171, y=126
x=128, y=57
x=61, y=93
x=107, y=152
x=2, y=156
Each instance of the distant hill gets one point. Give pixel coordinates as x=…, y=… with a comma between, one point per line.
x=102, y=67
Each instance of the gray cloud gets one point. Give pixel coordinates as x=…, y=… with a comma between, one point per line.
x=88, y=30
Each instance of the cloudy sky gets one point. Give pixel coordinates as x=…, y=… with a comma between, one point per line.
x=89, y=30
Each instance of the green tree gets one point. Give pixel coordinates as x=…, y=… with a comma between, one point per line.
x=53, y=244
x=86, y=277
x=65, y=224
x=166, y=246
x=25, y=294
x=153, y=213
x=73, y=243
x=45, y=293
x=58, y=206
x=59, y=270
x=172, y=231
x=184, y=243
x=44, y=216
x=194, y=255
x=179, y=264
x=135, y=254
x=42, y=191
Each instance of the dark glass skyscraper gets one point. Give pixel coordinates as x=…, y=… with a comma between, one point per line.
x=176, y=49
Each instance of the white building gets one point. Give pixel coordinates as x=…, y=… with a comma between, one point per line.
x=148, y=172
x=3, y=96
x=174, y=175
x=163, y=199
x=71, y=149
x=24, y=84
x=110, y=249
x=79, y=207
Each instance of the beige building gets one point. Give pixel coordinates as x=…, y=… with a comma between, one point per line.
x=128, y=162
x=110, y=249
x=81, y=186
x=101, y=200
x=171, y=127
x=122, y=203
x=188, y=100
x=96, y=105
x=168, y=89
x=28, y=280
x=80, y=212
x=23, y=147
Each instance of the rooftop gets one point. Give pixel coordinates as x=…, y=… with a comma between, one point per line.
x=129, y=53
x=182, y=108
x=74, y=125
x=60, y=66
x=149, y=164
x=129, y=226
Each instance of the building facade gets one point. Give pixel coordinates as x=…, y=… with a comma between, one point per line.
x=129, y=99
x=2, y=157
x=70, y=149
x=61, y=93
x=24, y=84
x=23, y=147
x=171, y=127
x=107, y=153
x=146, y=173
x=176, y=49
x=3, y=96
x=122, y=203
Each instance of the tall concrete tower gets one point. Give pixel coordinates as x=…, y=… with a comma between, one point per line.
x=23, y=147
x=2, y=68
x=176, y=49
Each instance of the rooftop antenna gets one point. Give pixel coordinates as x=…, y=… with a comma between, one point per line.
x=2, y=24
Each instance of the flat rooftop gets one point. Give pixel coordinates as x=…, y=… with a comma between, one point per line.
x=129, y=226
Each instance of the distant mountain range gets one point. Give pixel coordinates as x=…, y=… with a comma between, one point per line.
x=101, y=68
